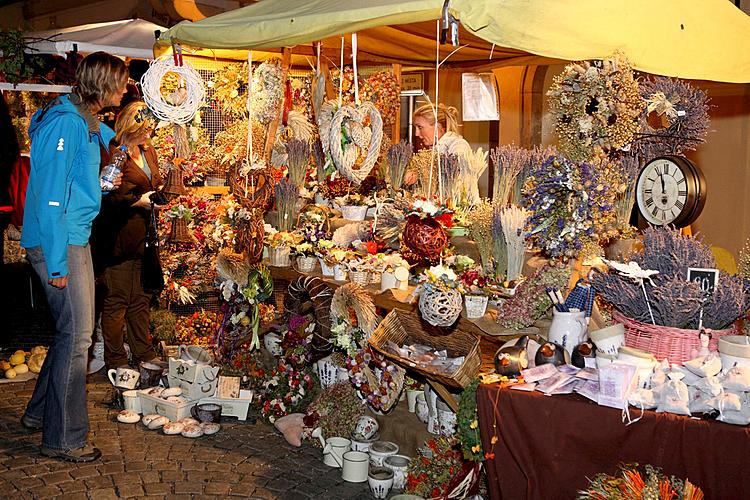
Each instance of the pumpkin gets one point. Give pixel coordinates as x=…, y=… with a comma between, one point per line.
x=35, y=362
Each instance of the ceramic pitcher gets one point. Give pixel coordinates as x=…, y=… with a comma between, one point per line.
x=568, y=329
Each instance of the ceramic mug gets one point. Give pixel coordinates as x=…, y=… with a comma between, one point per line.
x=207, y=412
x=366, y=427
x=123, y=377
x=399, y=465
x=380, y=480
x=355, y=467
x=150, y=374
x=131, y=401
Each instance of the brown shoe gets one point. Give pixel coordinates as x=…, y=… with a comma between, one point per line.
x=85, y=453
x=30, y=423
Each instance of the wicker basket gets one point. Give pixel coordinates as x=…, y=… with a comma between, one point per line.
x=402, y=327
x=675, y=344
x=179, y=233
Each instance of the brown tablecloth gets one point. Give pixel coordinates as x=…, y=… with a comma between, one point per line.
x=548, y=445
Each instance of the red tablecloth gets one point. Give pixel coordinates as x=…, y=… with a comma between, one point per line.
x=548, y=445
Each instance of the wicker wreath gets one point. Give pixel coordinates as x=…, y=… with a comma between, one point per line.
x=357, y=138
x=352, y=297
x=254, y=190
x=425, y=238
x=249, y=236
x=440, y=307
x=315, y=290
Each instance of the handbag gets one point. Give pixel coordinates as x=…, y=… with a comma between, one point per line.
x=152, y=277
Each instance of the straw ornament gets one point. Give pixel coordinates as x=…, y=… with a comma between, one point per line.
x=359, y=140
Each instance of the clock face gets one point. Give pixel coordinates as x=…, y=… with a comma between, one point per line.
x=670, y=190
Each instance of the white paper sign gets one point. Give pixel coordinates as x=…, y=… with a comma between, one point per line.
x=479, y=97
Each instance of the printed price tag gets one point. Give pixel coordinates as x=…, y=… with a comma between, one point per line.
x=706, y=278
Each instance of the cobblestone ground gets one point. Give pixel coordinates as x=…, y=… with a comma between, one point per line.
x=242, y=460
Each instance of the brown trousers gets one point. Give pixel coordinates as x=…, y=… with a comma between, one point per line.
x=125, y=312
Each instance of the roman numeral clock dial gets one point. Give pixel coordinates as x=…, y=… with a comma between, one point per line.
x=670, y=190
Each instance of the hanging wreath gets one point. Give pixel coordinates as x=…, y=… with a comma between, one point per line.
x=179, y=106
x=675, y=118
x=378, y=381
x=229, y=86
x=312, y=289
x=596, y=106
x=354, y=140
x=267, y=92
x=353, y=317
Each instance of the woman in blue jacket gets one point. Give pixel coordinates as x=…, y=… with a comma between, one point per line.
x=62, y=199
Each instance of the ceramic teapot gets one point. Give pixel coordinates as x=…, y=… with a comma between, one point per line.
x=551, y=352
x=510, y=360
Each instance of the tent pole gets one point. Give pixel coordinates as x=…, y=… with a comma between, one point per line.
x=286, y=59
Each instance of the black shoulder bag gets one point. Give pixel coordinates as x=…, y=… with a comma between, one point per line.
x=152, y=277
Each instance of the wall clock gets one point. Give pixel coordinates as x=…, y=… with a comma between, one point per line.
x=670, y=190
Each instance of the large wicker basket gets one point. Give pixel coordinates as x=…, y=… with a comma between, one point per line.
x=402, y=327
x=675, y=344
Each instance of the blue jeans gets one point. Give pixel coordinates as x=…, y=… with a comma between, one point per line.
x=59, y=398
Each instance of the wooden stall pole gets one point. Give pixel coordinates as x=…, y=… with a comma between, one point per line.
x=286, y=59
x=396, y=125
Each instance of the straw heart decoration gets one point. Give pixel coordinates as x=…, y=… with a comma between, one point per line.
x=357, y=140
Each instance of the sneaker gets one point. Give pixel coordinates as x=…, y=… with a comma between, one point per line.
x=85, y=453
x=30, y=423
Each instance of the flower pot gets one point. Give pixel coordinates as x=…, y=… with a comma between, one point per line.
x=361, y=278
x=339, y=273
x=354, y=212
x=440, y=307
x=476, y=305
x=279, y=256
x=325, y=268
x=399, y=465
x=380, y=480
x=327, y=372
x=306, y=264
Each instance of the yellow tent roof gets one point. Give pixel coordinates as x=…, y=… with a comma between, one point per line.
x=696, y=39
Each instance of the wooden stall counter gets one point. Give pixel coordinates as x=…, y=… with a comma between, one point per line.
x=548, y=445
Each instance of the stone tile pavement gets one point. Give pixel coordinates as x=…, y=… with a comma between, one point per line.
x=242, y=460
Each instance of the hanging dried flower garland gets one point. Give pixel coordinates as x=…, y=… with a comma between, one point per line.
x=384, y=91
x=268, y=91
x=596, y=106
x=229, y=86
x=675, y=119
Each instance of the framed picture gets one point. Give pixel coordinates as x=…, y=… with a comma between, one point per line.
x=706, y=278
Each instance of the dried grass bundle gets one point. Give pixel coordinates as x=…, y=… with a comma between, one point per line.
x=479, y=221
x=508, y=162
x=399, y=156
x=298, y=155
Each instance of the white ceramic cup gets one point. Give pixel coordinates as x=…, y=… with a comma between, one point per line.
x=366, y=427
x=356, y=465
x=399, y=465
x=132, y=401
x=124, y=378
x=380, y=480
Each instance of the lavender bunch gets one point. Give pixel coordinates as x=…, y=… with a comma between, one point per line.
x=286, y=204
x=671, y=253
x=399, y=156
x=450, y=172
x=534, y=161
x=624, y=295
x=499, y=245
x=298, y=153
x=676, y=302
x=728, y=302
x=508, y=162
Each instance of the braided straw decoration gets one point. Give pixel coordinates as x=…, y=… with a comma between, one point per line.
x=249, y=237
x=440, y=307
x=354, y=297
x=352, y=118
x=259, y=188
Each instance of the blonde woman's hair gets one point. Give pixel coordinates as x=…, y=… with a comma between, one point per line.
x=133, y=122
x=99, y=76
x=447, y=116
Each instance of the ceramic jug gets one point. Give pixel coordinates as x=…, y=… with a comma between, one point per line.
x=568, y=329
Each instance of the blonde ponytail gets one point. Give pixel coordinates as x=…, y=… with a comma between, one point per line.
x=447, y=116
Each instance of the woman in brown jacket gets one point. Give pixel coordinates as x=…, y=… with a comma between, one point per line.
x=118, y=238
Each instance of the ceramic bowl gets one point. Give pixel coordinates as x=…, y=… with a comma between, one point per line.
x=734, y=350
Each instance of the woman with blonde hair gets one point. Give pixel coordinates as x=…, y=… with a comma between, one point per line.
x=62, y=198
x=118, y=240
x=437, y=128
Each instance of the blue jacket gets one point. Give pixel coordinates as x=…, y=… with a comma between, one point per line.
x=63, y=195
